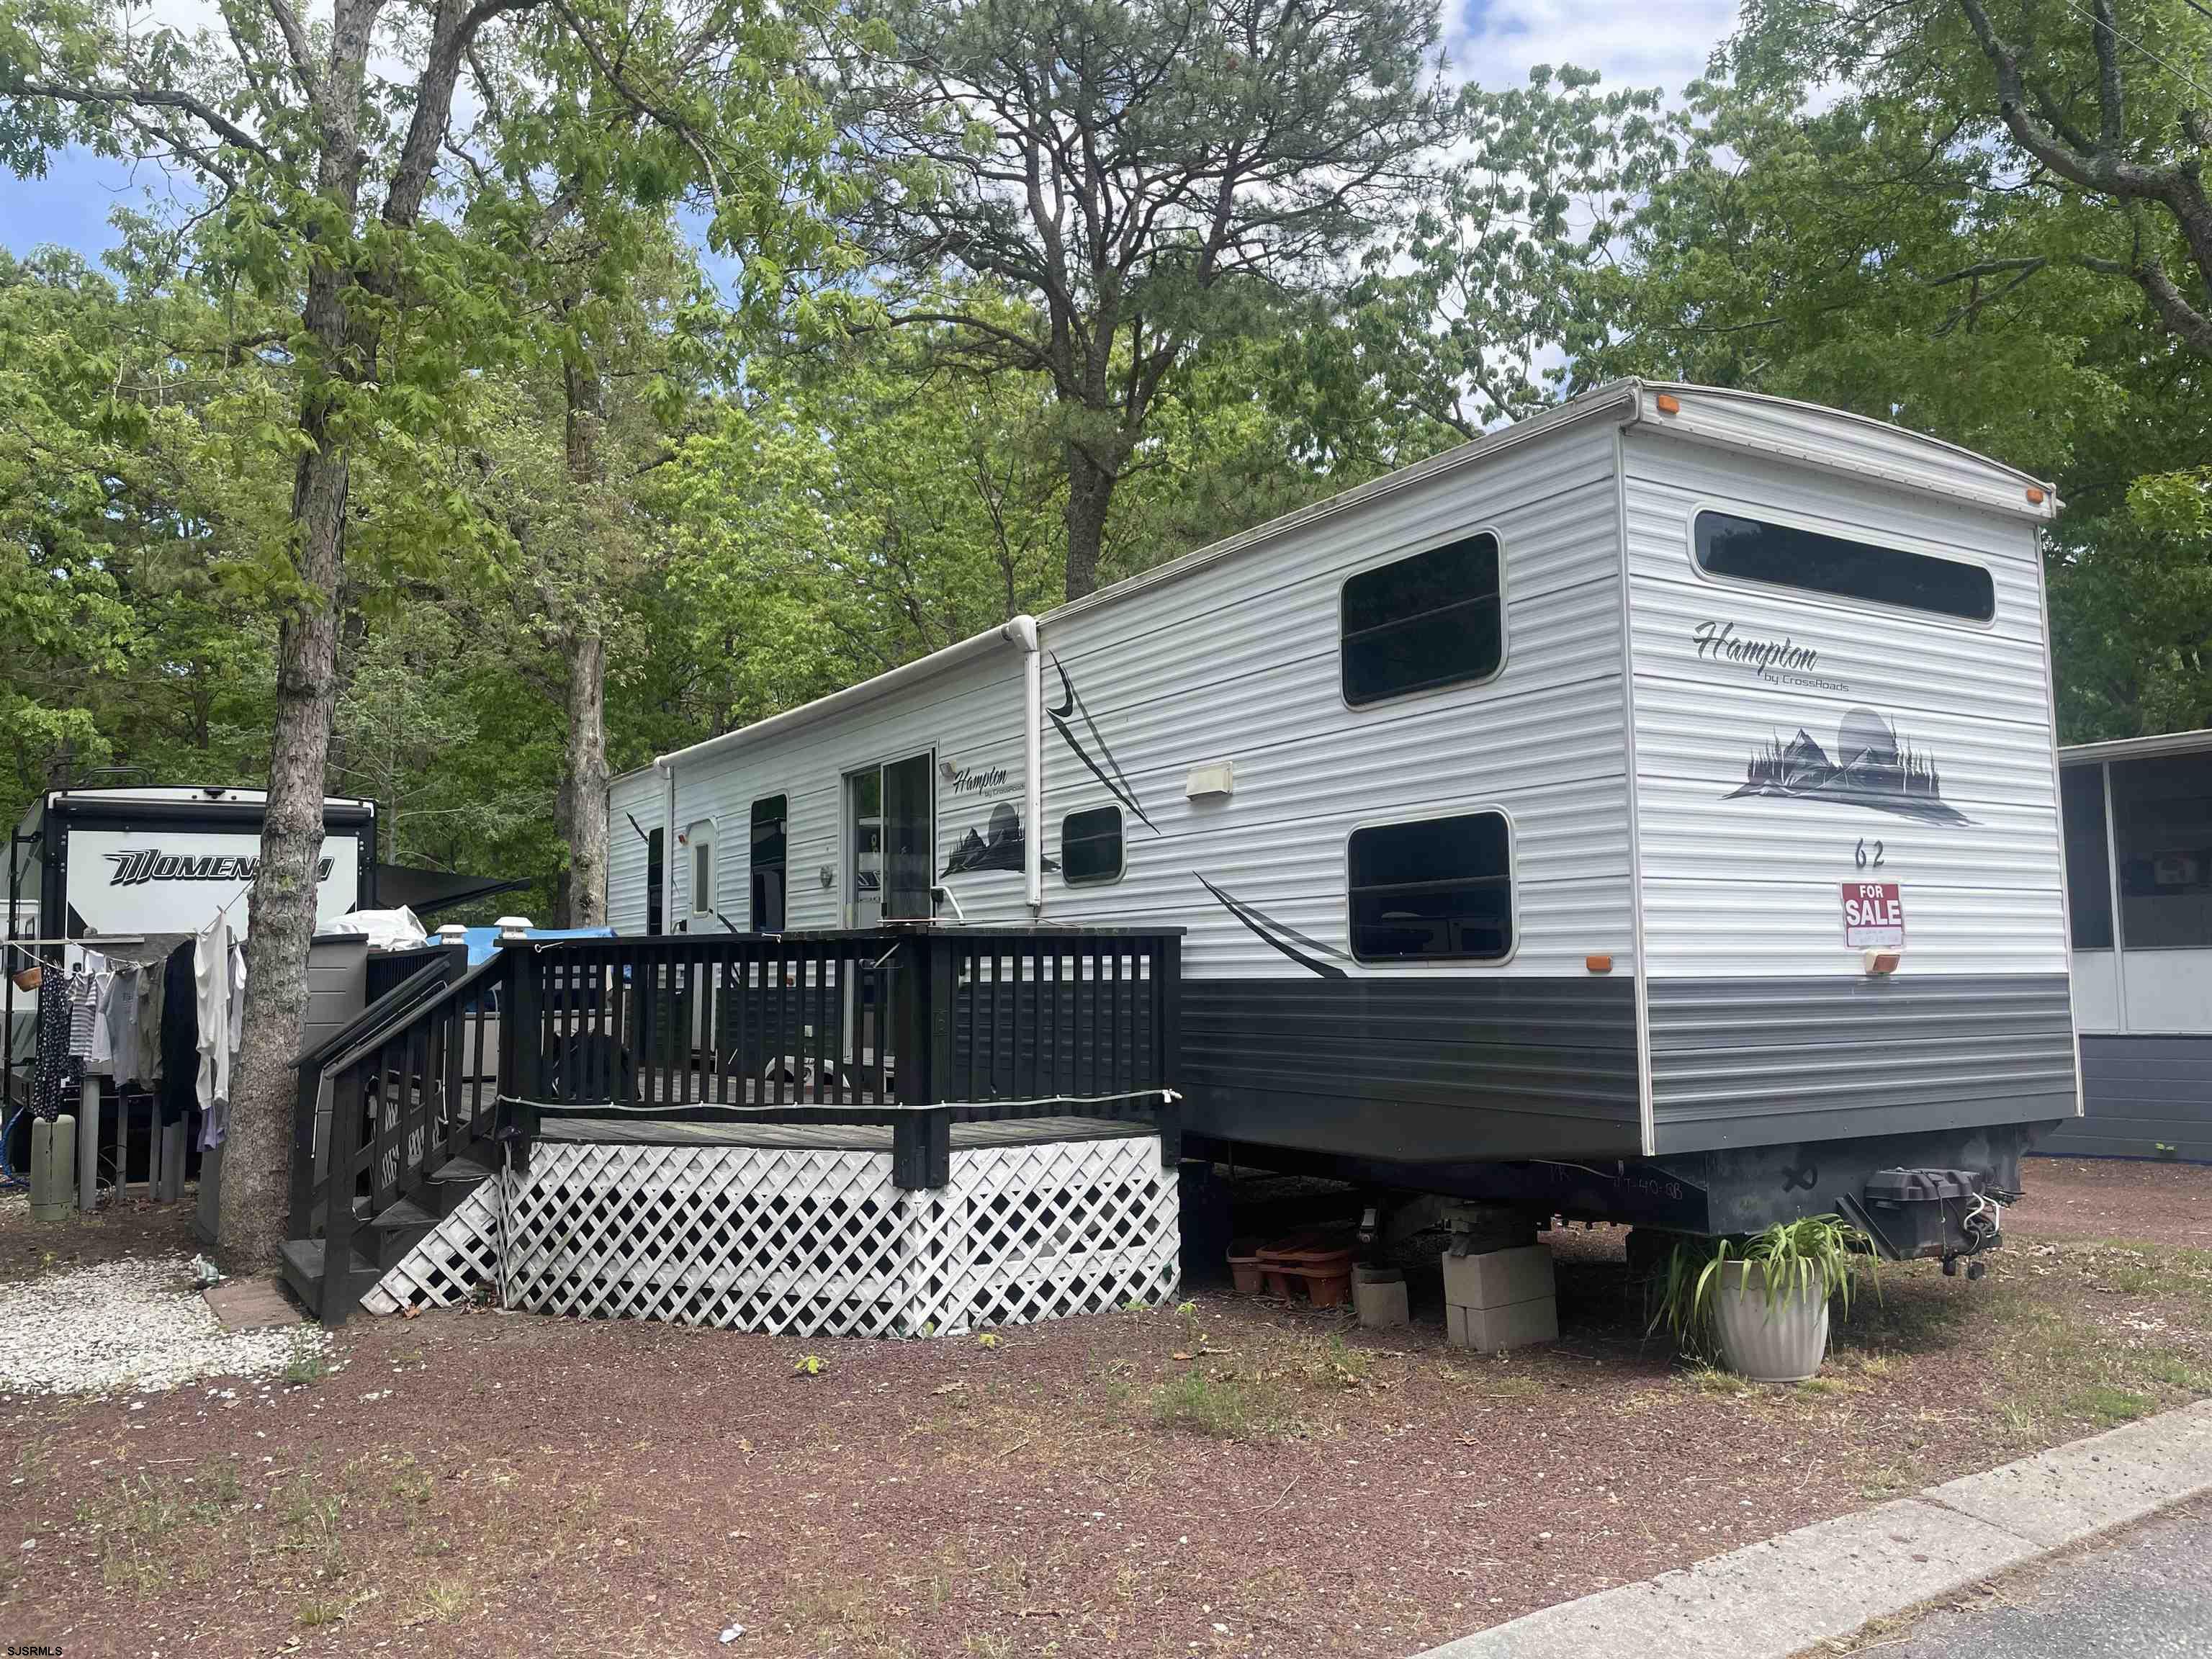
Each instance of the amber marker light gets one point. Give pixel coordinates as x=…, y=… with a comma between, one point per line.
x=1669, y=403
x=1882, y=961
x=1598, y=964
x=2034, y=495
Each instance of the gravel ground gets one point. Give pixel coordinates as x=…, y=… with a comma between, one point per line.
x=1245, y=1479
x=140, y=1325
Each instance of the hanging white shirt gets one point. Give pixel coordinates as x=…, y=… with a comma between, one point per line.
x=211, y=981
x=103, y=1057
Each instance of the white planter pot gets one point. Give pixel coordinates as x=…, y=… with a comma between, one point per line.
x=1781, y=1341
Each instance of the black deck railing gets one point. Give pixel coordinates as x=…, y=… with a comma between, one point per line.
x=915, y=1027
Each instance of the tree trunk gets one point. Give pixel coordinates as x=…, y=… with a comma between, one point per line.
x=584, y=782
x=281, y=916
x=583, y=796
x=1090, y=492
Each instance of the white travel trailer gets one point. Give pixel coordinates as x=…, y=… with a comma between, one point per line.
x=1646, y=811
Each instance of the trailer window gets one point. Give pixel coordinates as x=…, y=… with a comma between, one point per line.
x=770, y=814
x=1783, y=556
x=1439, y=890
x=1424, y=621
x=1091, y=846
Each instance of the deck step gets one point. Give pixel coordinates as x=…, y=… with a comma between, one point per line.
x=303, y=1261
x=406, y=1213
x=463, y=1169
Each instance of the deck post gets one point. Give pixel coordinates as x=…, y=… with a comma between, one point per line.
x=1167, y=1040
x=308, y=1087
x=921, y=1148
x=334, y=1300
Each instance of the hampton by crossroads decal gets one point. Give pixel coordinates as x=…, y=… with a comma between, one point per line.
x=976, y=780
x=1778, y=662
x=146, y=864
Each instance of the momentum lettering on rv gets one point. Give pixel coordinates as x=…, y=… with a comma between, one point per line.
x=147, y=864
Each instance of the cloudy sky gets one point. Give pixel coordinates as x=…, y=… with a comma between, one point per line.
x=1662, y=43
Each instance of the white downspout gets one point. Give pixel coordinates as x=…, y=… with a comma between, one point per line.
x=1022, y=631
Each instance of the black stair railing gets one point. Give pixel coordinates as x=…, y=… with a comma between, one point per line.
x=392, y=1007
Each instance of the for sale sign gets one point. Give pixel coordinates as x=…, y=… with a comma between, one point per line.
x=1873, y=915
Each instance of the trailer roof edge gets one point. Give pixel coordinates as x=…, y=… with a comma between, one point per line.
x=2142, y=748
x=1018, y=634
x=1598, y=400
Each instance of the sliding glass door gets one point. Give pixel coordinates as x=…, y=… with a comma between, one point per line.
x=890, y=828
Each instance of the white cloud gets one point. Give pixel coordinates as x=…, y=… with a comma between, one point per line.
x=1653, y=43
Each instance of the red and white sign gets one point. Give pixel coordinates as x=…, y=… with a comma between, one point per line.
x=1873, y=915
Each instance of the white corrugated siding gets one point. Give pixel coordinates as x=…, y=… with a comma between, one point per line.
x=971, y=714
x=1236, y=660
x=633, y=795
x=1751, y=885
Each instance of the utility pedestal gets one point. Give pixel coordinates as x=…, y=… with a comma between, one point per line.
x=53, y=1160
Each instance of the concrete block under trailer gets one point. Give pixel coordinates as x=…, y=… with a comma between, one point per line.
x=1648, y=812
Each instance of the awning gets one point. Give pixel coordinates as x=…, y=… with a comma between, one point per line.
x=428, y=891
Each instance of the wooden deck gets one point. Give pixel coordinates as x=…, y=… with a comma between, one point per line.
x=829, y=1137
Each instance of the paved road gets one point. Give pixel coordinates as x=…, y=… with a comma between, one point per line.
x=2145, y=1594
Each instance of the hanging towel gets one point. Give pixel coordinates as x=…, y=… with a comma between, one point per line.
x=148, y=1066
x=84, y=1014
x=118, y=1012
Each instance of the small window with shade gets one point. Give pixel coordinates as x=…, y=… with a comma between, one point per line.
x=1439, y=890
x=1091, y=846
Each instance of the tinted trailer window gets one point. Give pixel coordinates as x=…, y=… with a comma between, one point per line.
x=1439, y=890
x=1424, y=621
x=1783, y=555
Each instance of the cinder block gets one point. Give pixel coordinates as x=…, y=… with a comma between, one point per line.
x=1378, y=1296
x=1516, y=1325
x=1499, y=1277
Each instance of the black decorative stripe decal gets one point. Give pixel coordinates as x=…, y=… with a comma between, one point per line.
x=1267, y=928
x=1118, y=783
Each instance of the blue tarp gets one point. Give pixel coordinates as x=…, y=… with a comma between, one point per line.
x=482, y=941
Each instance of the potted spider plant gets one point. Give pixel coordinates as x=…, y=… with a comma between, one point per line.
x=1763, y=1301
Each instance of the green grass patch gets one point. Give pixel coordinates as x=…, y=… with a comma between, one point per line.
x=307, y=1363
x=1219, y=1408
x=2107, y=1406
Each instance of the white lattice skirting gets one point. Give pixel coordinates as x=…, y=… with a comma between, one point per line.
x=809, y=1242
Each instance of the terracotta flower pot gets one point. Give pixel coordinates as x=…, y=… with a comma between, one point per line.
x=1244, y=1273
x=1780, y=1341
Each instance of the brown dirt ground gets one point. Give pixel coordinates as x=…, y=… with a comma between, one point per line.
x=2118, y=1198
x=473, y=1482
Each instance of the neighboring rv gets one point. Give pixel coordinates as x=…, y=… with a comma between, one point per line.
x=2139, y=881
x=160, y=862
x=1647, y=811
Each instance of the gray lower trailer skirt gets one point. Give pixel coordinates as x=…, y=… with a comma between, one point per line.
x=1450, y=1069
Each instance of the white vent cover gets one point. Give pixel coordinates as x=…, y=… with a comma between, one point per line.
x=1219, y=779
